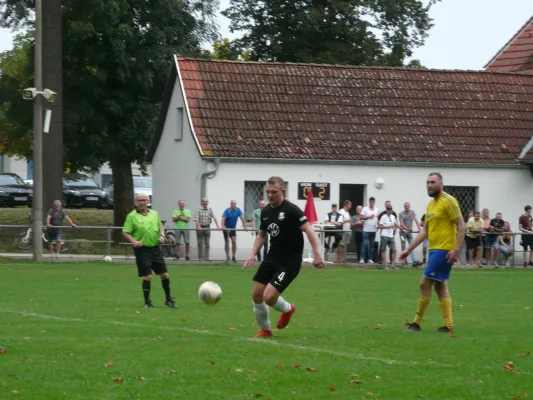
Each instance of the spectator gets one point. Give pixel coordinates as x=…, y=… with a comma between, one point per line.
x=357, y=230
x=407, y=216
x=474, y=228
x=346, y=231
x=230, y=217
x=388, y=204
x=257, y=224
x=495, y=227
x=467, y=217
x=524, y=224
x=332, y=221
x=369, y=215
x=181, y=216
x=485, y=216
x=388, y=226
x=55, y=218
x=506, y=244
x=203, y=218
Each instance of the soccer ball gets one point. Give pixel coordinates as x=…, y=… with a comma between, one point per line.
x=108, y=259
x=210, y=292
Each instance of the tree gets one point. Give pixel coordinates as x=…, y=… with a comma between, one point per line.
x=224, y=49
x=357, y=32
x=117, y=55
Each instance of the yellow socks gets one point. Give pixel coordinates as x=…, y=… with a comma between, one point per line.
x=423, y=303
x=446, y=310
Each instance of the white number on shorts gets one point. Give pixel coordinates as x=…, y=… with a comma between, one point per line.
x=280, y=276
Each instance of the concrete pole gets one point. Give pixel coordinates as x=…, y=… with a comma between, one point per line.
x=38, y=138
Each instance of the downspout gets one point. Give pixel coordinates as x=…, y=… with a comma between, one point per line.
x=209, y=174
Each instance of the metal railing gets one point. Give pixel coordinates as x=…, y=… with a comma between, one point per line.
x=99, y=240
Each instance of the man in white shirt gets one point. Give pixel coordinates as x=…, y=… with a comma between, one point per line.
x=332, y=221
x=346, y=230
x=369, y=215
x=388, y=227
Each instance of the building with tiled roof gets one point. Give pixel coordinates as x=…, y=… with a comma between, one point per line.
x=350, y=132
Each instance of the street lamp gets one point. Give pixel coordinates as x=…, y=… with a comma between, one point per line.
x=38, y=93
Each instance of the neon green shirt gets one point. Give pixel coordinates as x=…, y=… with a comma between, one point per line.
x=186, y=214
x=143, y=228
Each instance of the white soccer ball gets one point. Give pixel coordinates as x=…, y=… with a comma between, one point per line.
x=210, y=292
x=108, y=259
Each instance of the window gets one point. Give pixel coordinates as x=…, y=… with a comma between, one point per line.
x=179, y=123
x=466, y=197
x=254, y=192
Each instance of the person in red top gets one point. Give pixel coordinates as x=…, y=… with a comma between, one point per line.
x=524, y=223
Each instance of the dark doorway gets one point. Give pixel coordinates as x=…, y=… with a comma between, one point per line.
x=356, y=194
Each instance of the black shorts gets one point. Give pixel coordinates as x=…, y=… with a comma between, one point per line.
x=150, y=259
x=229, y=233
x=279, y=271
x=527, y=241
x=54, y=235
x=472, y=243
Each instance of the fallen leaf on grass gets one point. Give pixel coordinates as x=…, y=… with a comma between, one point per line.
x=42, y=331
x=354, y=376
x=141, y=378
x=137, y=312
x=109, y=364
x=518, y=397
x=377, y=377
x=298, y=366
x=2, y=350
x=278, y=365
x=171, y=372
x=159, y=338
x=212, y=362
x=356, y=382
x=256, y=395
x=332, y=388
x=527, y=308
x=525, y=354
x=251, y=371
x=309, y=369
x=509, y=367
x=231, y=328
x=15, y=392
x=118, y=380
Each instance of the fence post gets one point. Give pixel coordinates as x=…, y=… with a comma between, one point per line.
x=108, y=244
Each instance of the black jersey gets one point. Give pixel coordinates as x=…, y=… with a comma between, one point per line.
x=283, y=224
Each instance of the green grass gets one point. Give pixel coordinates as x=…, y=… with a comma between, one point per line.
x=61, y=323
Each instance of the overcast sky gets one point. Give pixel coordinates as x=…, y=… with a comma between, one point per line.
x=466, y=35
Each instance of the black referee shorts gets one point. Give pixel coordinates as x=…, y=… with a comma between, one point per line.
x=150, y=259
x=279, y=271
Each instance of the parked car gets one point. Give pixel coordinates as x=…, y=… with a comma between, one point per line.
x=81, y=191
x=141, y=184
x=14, y=191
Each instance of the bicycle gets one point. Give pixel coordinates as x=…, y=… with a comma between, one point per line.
x=24, y=240
x=169, y=247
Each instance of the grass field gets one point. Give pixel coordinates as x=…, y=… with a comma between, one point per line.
x=63, y=322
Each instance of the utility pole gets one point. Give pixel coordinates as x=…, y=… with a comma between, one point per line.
x=38, y=137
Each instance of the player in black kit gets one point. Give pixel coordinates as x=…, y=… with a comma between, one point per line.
x=285, y=223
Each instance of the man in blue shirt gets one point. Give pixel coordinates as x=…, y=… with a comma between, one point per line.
x=229, y=222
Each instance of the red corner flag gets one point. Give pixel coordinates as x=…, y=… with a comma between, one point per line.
x=309, y=210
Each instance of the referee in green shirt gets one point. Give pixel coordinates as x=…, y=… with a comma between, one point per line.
x=144, y=230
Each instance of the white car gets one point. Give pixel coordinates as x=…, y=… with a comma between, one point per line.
x=141, y=184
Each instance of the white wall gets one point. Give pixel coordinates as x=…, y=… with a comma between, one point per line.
x=176, y=166
x=504, y=190
x=15, y=165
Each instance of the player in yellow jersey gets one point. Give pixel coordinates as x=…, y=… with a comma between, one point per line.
x=444, y=228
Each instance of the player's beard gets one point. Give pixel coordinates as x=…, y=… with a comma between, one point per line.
x=434, y=193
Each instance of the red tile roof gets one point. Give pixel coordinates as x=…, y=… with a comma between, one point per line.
x=322, y=112
x=517, y=54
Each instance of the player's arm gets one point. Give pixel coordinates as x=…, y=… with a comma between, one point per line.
x=414, y=244
x=258, y=243
x=459, y=239
x=313, y=239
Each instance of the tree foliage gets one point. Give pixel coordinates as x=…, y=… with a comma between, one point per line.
x=357, y=32
x=116, y=59
x=224, y=49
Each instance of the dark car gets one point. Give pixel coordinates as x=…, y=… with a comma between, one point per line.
x=14, y=191
x=81, y=191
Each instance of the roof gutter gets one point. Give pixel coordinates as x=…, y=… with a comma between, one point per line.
x=209, y=174
x=240, y=160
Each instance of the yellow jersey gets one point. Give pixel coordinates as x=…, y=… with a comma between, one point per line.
x=440, y=222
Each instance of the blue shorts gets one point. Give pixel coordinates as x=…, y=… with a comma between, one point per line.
x=54, y=235
x=491, y=241
x=437, y=267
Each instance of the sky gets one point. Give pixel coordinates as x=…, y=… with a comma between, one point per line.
x=466, y=33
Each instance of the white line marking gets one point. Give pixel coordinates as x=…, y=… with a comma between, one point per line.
x=268, y=342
